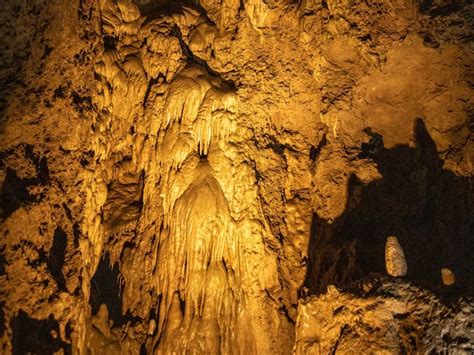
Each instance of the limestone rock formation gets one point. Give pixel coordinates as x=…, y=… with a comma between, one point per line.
x=191, y=176
x=382, y=316
x=395, y=261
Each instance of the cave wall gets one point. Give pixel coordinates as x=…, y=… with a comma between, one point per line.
x=182, y=175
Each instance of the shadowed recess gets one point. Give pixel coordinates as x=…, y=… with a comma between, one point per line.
x=31, y=336
x=426, y=207
x=105, y=289
x=56, y=257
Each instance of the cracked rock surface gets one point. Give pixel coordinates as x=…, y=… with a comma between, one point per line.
x=222, y=176
x=379, y=315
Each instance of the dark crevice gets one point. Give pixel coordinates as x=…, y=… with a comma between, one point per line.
x=182, y=305
x=197, y=6
x=157, y=8
x=81, y=103
x=15, y=192
x=87, y=158
x=151, y=82
x=105, y=289
x=3, y=261
x=77, y=233
x=344, y=330
x=425, y=5
x=427, y=208
x=445, y=10
x=314, y=152
x=152, y=314
x=430, y=41
x=366, y=38
x=241, y=6
x=285, y=312
x=56, y=257
x=68, y=211
x=202, y=156
x=370, y=149
x=278, y=147
x=41, y=164
x=31, y=336
x=110, y=42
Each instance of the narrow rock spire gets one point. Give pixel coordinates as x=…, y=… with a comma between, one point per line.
x=395, y=262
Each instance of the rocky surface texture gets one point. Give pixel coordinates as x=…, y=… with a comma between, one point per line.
x=383, y=316
x=222, y=176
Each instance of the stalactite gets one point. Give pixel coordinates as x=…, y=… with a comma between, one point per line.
x=221, y=176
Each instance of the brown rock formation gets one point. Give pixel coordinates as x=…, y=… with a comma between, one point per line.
x=221, y=176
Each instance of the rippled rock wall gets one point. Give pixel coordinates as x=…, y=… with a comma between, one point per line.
x=213, y=176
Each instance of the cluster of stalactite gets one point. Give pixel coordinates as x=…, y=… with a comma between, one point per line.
x=177, y=195
x=236, y=176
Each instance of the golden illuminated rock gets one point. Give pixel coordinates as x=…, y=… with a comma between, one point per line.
x=151, y=327
x=336, y=321
x=395, y=262
x=196, y=176
x=448, y=277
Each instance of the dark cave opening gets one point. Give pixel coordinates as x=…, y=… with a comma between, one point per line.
x=15, y=192
x=56, y=257
x=31, y=336
x=105, y=289
x=427, y=208
x=15, y=189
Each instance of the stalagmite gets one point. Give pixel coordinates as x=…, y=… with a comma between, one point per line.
x=151, y=327
x=448, y=277
x=395, y=262
x=219, y=176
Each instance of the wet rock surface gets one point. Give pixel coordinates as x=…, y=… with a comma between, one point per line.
x=222, y=177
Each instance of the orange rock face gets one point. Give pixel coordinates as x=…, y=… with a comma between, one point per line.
x=221, y=176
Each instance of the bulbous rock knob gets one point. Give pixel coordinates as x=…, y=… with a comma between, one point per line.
x=151, y=327
x=448, y=277
x=395, y=261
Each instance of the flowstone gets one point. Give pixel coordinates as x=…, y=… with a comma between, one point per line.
x=216, y=176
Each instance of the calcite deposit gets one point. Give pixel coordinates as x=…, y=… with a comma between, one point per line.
x=395, y=261
x=222, y=176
